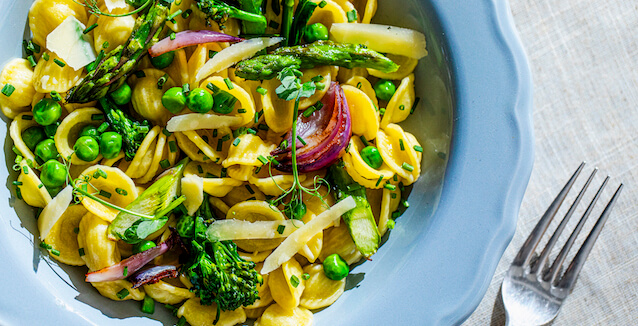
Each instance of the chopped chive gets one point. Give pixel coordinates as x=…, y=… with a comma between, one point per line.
x=405, y=203
x=317, y=78
x=236, y=141
x=25, y=170
x=390, y=187
x=45, y=56
x=164, y=164
x=382, y=111
x=348, y=148
x=273, y=24
x=214, y=133
x=401, y=144
x=395, y=178
x=305, y=276
x=56, y=96
x=148, y=305
x=379, y=180
x=418, y=148
x=210, y=175
x=7, y=90
x=224, y=173
x=199, y=169
x=393, y=195
x=44, y=245
x=351, y=15
x=59, y=63
x=17, y=183
x=161, y=81
x=396, y=214
x=102, y=128
x=122, y=294
x=187, y=13
x=105, y=193
x=401, y=107
x=364, y=140
x=262, y=90
x=226, y=137
x=31, y=60
x=241, y=111
x=27, y=117
x=256, y=117
x=250, y=190
x=407, y=167
x=172, y=146
x=401, y=186
x=140, y=74
x=125, y=272
x=181, y=321
x=359, y=85
x=262, y=126
x=353, y=187
x=252, y=131
x=303, y=142
x=76, y=230
x=220, y=142
x=186, y=88
x=309, y=111
x=262, y=159
x=105, y=44
x=172, y=36
x=273, y=160
x=284, y=144
x=16, y=151
x=212, y=87
x=81, y=251
x=100, y=173
x=55, y=252
x=322, y=4
x=18, y=193
x=416, y=102
x=280, y=229
x=175, y=14
x=95, y=117
x=320, y=86
x=90, y=28
x=229, y=84
x=121, y=191
x=40, y=186
x=318, y=106
x=294, y=281
x=257, y=170
x=390, y=224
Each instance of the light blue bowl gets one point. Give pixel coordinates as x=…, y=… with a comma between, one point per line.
x=440, y=258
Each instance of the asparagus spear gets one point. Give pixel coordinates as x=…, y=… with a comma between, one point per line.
x=133, y=132
x=220, y=11
x=320, y=53
x=111, y=72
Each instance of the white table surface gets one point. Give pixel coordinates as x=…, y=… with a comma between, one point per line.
x=584, y=62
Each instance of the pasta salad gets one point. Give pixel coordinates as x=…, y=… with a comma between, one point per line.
x=229, y=160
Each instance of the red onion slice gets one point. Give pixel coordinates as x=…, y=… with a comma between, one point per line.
x=133, y=263
x=187, y=38
x=326, y=133
x=152, y=275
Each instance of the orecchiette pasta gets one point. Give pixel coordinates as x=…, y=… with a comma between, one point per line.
x=286, y=284
x=320, y=291
x=69, y=130
x=276, y=315
x=49, y=76
x=63, y=237
x=201, y=315
x=19, y=74
x=46, y=15
x=112, y=185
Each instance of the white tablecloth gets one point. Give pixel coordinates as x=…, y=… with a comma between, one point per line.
x=584, y=61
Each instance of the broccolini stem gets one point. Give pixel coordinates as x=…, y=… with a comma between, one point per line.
x=286, y=21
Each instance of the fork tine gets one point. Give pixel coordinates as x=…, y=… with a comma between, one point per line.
x=552, y=273
x=525, y=253
x=571, y=274
x=542, y=260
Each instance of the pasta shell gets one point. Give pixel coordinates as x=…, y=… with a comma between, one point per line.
x=22, y=122
x=389, y=203
x=116, y=188
x=244, y=108
x=331, y=13
x=277, y=112
x=364, y=85
x=63, y=236
x=99, y=251
x=255, y=210
x=363, y=112
x=337, y=240
x=46, y=15
x=147, y=98
x=167, y=293
x=399, y=106
x=308, y=74
x=19, y=74
x=313, y=246
x=320, y=291
x=69, y=130
x=180, y=23
x=359, y=169
x=32, y=193
x=276, y=315
x=49, y=76
x=112, y=290
x=159, y=154
x=113, y=31
x=240, y=194
x=144, y=156
x=406, y=67
x=197, y=314
x=281, y=285
x=248, y=150
x=398, y=158
x=274, y=185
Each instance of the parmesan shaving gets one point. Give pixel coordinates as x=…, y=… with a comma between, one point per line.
x=235, y=53
x=194, y=121
x=193, y=190
x=53, y=211
x=298, y=239
x=233, y=229
x=70, y=44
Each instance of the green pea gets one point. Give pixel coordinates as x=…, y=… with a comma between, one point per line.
x=163, y=60
x=32, y=136
x=296, y=210
x=86, y=148
x=110, y=144
x=335, y=267
x=51, y=129
x=372, y=157
x=199, y=100
x=185, y=226
x=174, y=100
x=143, y=246
x=53, y=174
x=384, y=89
x=315, y=32
x=46, y=150
x=122, y=95
x=89, y=130
x=47, y=111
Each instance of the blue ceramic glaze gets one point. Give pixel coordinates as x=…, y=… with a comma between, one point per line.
x=438, y=261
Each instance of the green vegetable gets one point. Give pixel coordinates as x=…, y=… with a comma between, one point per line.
x=199, y=100
x=111, y=70
x=122, y=95
x=110, y=144
x=360, y=220
x=304, y=11
x=220, y=11
x=174, y=100
x=372, y=157
x=51, y=129
x=254, y=7
x=286, y=20
x=163, y=60
x=158, y=200
x=89, y=130
x=132, y=132
x=86, y=148
x=223, y=102
x=185, y=226
x=143, y=246
x=46, y=150
x=335, y=267
x=32, y=136
x=315, y=32
x=53, y=174
x=148, y=305
x=47, y=111
x=320, y=53
x=384, y=89
x=296, y=210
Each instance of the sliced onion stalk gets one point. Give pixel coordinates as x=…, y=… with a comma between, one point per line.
x=152, y=275
x=326, y=134
x=188, y=38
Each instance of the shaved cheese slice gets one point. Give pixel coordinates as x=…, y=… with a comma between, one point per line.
x=193, y=189
x=298, y=239
x=112, y=4
x=70, y=43
x=382, y=38
x=194, y=121
x=52, y=212
x=233, y=229
x=235, y=53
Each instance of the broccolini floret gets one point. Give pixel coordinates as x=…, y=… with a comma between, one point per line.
x=133, y=132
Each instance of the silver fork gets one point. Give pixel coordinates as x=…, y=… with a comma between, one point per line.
x=534, y=291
